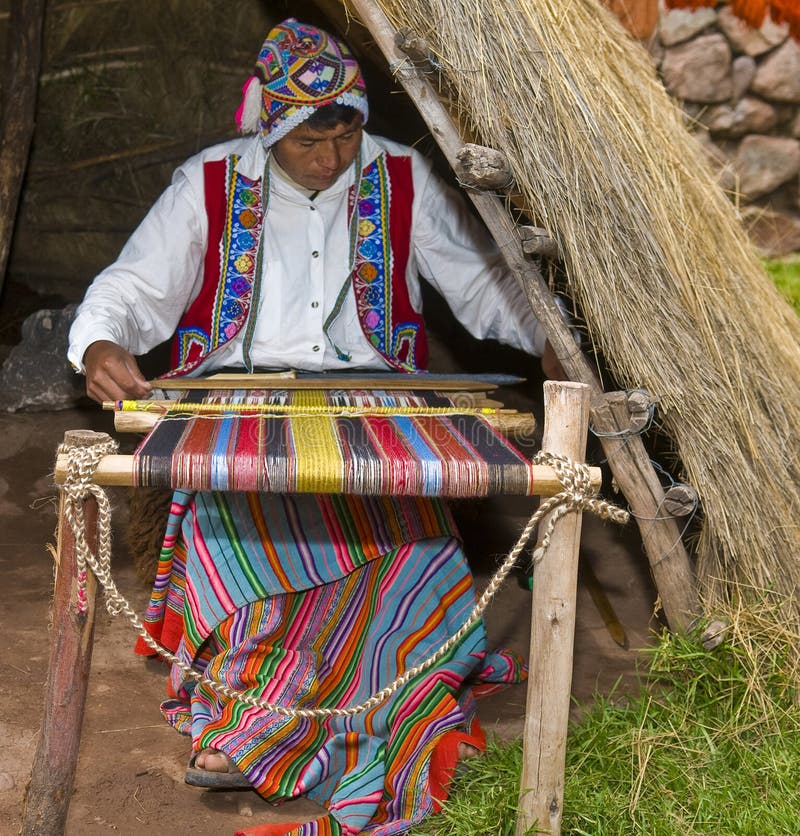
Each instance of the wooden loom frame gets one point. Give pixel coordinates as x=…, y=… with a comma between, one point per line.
x=552, y=636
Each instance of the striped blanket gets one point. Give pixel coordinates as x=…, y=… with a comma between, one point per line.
x=311, y=601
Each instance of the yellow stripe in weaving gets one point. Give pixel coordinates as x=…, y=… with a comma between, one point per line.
x=318, y=461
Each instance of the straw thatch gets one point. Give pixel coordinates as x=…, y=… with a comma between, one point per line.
x=654, y=254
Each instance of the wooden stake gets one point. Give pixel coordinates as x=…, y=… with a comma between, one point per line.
x=47, y=799
x=538, y=241
x=588, y=579
x=555, y=581
x=482, y=168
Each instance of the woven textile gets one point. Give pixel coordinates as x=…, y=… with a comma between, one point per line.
x=318, y=613
x=243, y=547
x=375, y=455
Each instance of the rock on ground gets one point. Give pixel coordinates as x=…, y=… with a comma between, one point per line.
x=36, y=374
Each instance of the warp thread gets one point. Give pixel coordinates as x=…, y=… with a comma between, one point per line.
x=276, y=410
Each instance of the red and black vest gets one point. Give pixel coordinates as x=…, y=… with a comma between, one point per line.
x=378, y=279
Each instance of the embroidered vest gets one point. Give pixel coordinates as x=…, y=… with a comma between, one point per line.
x=378, y=279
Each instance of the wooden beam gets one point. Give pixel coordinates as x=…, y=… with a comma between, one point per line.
x=626, y=455
x=288, y=380
x=24, y=51
x=509, y=423
x=555, y=581
x=117, y=470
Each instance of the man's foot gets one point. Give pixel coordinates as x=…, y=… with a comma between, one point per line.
x=213, y=760
x=467, y=751
x=214, y=769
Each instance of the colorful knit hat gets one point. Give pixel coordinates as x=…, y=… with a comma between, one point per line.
x=300, y=68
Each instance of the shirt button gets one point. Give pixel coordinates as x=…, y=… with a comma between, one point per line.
x=313, y=208
x=315, y=304
x=315, y=254
x=315, y=348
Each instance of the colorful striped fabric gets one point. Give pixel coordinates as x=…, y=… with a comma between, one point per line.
x=367, y=455
x=223, y=551
x=334, y=645
x=319, y=602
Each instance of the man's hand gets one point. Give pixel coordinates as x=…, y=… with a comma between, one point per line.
x=112, y=373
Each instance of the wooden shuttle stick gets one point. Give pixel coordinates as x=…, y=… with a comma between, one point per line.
x=434, y=382
x=520, y=425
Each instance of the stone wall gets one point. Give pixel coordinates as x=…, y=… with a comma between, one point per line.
x=741, y=89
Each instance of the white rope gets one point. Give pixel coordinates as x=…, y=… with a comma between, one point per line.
x=577, y=494
x=78, y=485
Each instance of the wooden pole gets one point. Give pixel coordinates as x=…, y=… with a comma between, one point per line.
x=21, y=81
x=119, y=471
x=507, y=422
x=555, y=581
x=48, y=795
x=632, y=467
x=660, y=533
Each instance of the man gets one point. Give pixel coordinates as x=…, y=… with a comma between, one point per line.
x=302, y=248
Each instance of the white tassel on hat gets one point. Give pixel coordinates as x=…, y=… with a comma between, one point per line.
x=249, y=112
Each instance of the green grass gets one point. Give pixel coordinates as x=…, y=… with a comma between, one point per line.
x=786, y=275
x=710, y=746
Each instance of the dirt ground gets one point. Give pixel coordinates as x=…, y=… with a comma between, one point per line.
x=130, y=772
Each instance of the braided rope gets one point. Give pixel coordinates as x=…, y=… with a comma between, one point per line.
x=81, y=465
x=577, y=494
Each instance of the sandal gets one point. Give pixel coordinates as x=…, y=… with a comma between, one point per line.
x=231, y=779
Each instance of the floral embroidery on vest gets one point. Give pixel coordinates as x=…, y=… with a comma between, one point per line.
x=373, y=271
x=233, y=275
x=239, y=249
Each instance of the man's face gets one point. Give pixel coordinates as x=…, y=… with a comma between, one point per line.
x=314, y=159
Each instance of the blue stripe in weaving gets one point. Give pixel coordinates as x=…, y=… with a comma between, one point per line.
x=429, y=462
x=219, y=454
